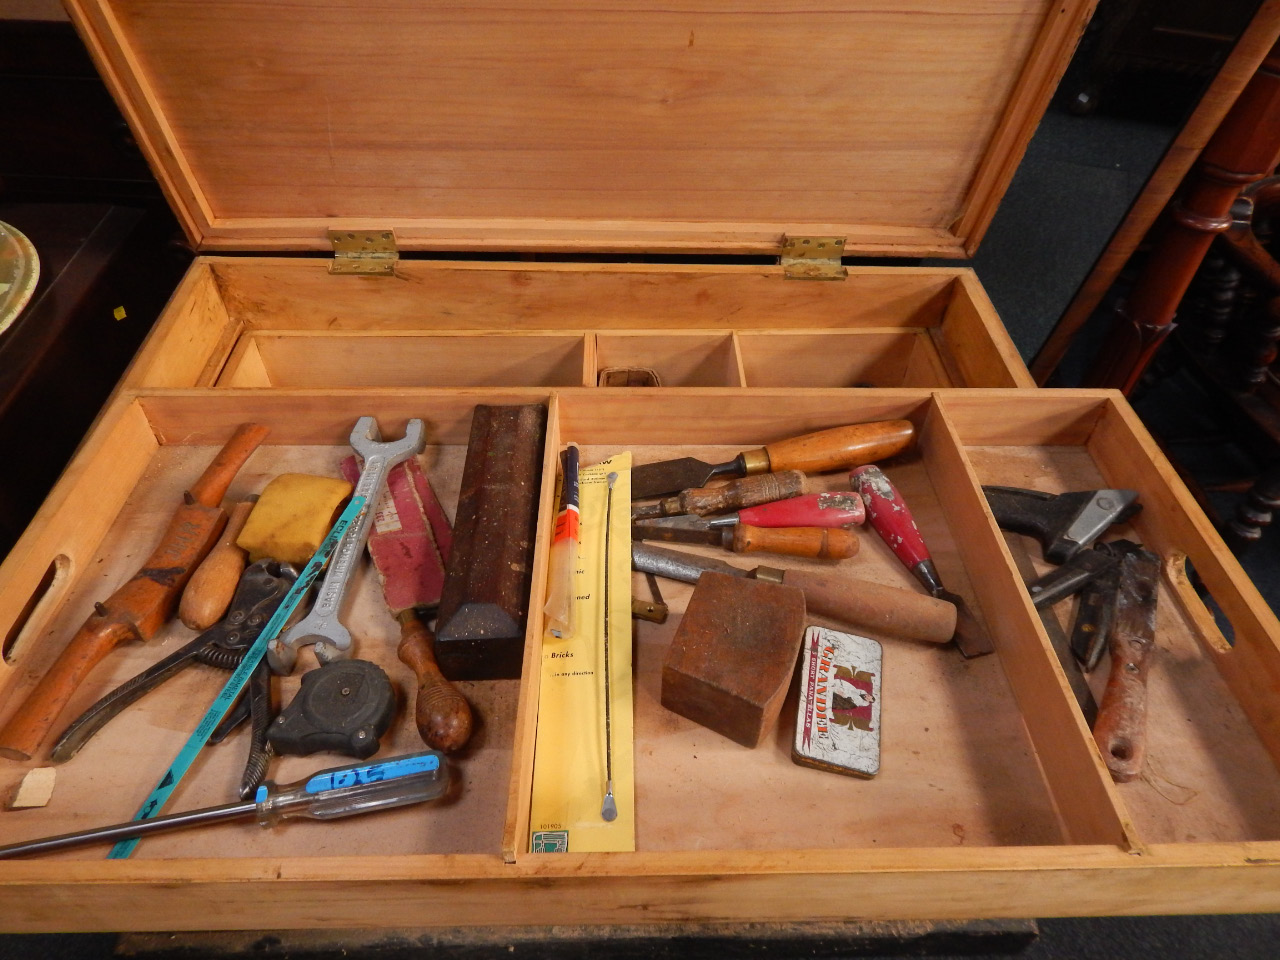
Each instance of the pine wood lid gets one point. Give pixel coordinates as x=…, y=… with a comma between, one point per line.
x=571, y=126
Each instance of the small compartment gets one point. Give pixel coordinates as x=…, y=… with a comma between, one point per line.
x=1210, y=773
x=693, y=359
x=302, y=360
x=868, y=358
x=289, y=323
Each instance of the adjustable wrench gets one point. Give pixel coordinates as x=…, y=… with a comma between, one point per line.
x=321, y=625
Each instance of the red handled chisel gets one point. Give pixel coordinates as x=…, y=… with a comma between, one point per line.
x=888, y=515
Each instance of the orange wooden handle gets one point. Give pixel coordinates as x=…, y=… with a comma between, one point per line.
x=443, y=715
x=816, y=542
x=888, y=611
x=134, y=612
x=213, y=585
x=212, y=485
x=841, y=447
x=1121, y=725
x=736, y=494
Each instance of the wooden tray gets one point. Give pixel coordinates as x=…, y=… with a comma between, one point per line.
x=992, y=800
x=289, y=323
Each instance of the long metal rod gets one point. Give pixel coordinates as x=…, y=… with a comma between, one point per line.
x=608, y=809
x=133, y=828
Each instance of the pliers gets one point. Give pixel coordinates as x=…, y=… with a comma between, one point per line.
x=260, y=590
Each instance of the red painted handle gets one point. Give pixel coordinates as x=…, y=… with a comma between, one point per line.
x=828, y=510
x=888, y=515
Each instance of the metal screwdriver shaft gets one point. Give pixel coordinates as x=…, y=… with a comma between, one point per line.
x=609, y=809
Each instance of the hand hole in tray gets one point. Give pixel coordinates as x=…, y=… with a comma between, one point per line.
x=1210, y=624
x=36, y=610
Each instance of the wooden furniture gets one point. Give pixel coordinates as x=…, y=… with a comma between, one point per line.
x=1240, y=66
x=648, y=132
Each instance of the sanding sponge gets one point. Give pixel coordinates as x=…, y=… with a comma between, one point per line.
x=292, y=516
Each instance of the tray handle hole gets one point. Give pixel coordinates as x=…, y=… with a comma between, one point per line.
x=1208, y=621
x=35, y=613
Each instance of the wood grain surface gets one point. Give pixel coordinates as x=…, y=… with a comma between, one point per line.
x=563, y=126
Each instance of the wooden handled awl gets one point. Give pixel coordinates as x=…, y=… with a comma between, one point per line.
x=142, y=605
x=211, y=587
x=442, y=714
x=734, y=495
x=834, y=449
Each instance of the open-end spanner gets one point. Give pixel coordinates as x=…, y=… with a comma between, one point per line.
x=321, y=626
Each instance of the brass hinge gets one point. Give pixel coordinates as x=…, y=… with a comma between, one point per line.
x=366, y=252
x=813, y=258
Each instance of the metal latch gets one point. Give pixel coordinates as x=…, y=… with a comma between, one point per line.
x=367, y=252
x=813, y=258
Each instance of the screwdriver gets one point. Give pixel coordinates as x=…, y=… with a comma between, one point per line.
x=327, y=795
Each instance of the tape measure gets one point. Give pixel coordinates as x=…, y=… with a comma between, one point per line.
x=231, y=691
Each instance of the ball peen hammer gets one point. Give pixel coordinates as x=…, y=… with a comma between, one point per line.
x=138, y=608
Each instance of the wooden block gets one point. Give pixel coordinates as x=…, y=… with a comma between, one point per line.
x=732, y=658
x=480, y=632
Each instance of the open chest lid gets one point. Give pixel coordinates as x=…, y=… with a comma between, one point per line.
x=686, y=127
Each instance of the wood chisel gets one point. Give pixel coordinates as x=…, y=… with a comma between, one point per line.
x=734, y=495
x=834, y=449
x=408, y=525
x=138, y=609
x=816, y=542
x=889, y=516
x=887, y=611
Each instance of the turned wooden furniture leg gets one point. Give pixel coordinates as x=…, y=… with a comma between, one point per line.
x=1256, y=511
x=1244, y=149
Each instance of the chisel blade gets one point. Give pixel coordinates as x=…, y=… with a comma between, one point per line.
x=679, y=529
x=672, y=476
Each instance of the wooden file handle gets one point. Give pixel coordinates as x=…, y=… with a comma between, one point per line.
x=212, y=485
x=443, y=715
x=888, y=611
x=1121, y=725
x=736, y=494
x=840, y=447
x=817, y=542
x=134, y=612
x=212, y=586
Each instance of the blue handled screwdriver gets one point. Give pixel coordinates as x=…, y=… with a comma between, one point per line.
x=327, y=795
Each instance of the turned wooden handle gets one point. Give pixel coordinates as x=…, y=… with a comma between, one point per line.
x=841, y=447
x=442, y=714
x=816, y=542
x=746, y=492
x=1121, y=725
x=134, y=612
x=209, y=592
x=888, y=611
x=212, y=485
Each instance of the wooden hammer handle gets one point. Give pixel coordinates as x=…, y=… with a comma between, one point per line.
x=841, y=447
x=817, y=542
x=442, y=714
x=889, y=611
x=212, y=485
x=134, y=612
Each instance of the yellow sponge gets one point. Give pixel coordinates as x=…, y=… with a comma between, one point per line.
x=292, y=516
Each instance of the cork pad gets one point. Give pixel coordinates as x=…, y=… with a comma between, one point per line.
x=731, y=661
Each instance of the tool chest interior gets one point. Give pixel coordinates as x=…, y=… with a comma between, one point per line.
x=992, y=798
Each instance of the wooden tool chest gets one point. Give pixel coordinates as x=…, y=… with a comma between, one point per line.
x=574, y=129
